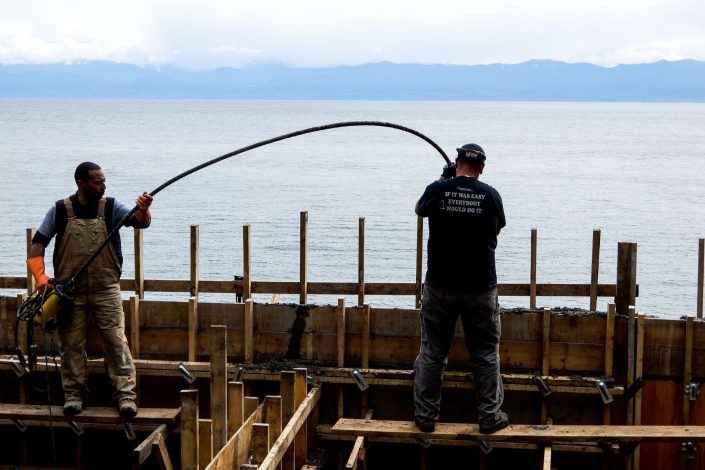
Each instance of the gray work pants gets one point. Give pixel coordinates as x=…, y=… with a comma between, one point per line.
x=479, y=314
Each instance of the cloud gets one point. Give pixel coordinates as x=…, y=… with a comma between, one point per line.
x=198, y=34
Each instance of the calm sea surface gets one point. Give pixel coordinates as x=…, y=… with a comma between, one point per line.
x=635, y=171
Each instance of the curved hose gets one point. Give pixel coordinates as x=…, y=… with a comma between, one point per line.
x=243, y=150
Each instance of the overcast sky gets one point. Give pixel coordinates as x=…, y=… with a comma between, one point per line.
x=317, y=33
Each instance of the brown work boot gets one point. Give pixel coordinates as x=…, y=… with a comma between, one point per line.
x=72, y=406
x=127, y=407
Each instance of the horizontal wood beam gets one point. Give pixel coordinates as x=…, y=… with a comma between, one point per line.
x=31, y=413
x=323, y=432
x=520, y=432
x=223, y=286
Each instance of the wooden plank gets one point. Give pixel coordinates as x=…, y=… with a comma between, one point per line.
x=219, y=386
x=545, y=357
x=144, y=449
x=237, y=451
x=287, y=392
x=260, y=442
x=609, y=355
x=246, y=264
x=361, y=261
x=29, y=235
x=532, y=275
x=631, y=358
x=273, y=415
x=161, y=453
x=594, y=268
x=301, y=439
x=250, y=405
x=418, y=288
x=547, y=458
x=357, y=452
x=303, y=253
x=205, y=442
x=638, y=373
x=194, y=264
x=292, y=429
x=236, y=406
x=104, y=415
x=523, y=433
x=189, y=429
x=688, y=364
x=701, y=277
x=135, y=327
x=365, y=353
x=626, y=277
x=139, y=263
x=192, y=328
x=341, y=331
x=249, y=331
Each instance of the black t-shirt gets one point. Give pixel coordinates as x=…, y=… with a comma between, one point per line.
x=464, y=216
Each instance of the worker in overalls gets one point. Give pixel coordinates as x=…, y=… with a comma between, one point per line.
x=81, y=222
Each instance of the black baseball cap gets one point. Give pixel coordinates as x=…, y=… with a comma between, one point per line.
x=472, y=152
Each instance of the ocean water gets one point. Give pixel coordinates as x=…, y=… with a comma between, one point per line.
x=635, y=171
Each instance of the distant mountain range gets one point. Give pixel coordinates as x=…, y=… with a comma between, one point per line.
x=535, y=80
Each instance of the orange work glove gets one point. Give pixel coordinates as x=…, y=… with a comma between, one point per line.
x=143, y=202
x=36, y=266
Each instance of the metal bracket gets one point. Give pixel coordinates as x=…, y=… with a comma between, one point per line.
x=17, y=369
x=423, y=442
x=360, y=380
x=239, y=373
x=689, y=449
x=19, y=424
x=604, y=392
x=76, y=428
x=485, y=447
x=543, y=386
x=130, y=432
x=692, y=390
x=185, y=373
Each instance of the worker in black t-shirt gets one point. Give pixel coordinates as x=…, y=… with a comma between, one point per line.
x=464, y=218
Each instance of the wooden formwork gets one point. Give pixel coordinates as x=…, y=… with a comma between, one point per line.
x=644, y=362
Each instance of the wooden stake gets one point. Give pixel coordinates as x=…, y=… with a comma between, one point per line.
x=246, y=276
x=189, y=430
x=135, y=327
x=139, y=263
x=249, y=331
x=219, y=386
x=638, y=373
x=532, y=276
x=303, y=265
x=300, y=391
x=236, y=406
x=419, y=260
x=341, y=332
x=631, y=359
x=260, y=441
x=361, y=262
x=609, y=356
x=273, y=415
x=286, y=390
x=626, y=277
x=595, y=269
x=205, y=442
x=194, y=260
x=688, y=366
x=545, y=359
x=701, y=276
x=30, y=232
x=547, y=458
x=22, y=344
x=250, y=405
x=192, y=329
x=365, y=353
